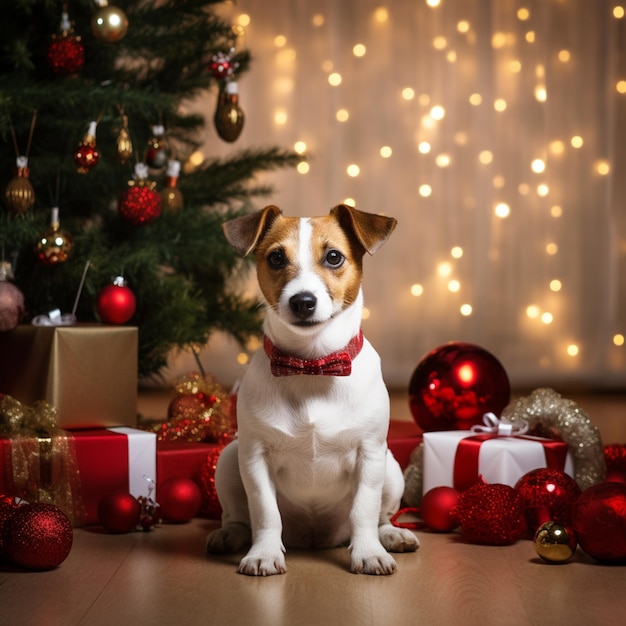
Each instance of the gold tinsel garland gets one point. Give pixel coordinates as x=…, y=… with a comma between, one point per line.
x=42, y=466
x=548, y=415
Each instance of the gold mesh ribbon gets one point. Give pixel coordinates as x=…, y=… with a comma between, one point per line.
x=42, y=464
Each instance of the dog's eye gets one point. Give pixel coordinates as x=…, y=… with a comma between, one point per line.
x=334, y=258
x=277, y=259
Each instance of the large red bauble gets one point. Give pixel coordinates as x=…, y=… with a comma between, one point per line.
x=140, y=205
x=491, y=514
x=116, y=304
x=454, y=385
x=119, y=512
x=180, y=499
x=86, y=157
x=438, y=509
x=599, y=521
x=549, y=496
x=37, y=536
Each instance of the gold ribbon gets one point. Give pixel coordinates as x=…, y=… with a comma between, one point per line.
x=42, y=462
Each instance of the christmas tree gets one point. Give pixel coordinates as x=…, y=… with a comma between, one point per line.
x=93, y=95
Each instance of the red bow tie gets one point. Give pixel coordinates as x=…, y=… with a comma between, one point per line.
x=335, y=364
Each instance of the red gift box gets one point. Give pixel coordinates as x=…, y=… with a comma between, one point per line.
x=108, y=460
x=403, y=438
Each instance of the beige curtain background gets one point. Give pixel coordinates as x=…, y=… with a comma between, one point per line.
x=501, y=125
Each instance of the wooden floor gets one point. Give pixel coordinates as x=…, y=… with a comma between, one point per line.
x=164, y=577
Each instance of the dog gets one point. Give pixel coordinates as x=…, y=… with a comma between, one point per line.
x=310, y=467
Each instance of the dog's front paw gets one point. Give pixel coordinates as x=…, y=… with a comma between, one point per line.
x=229, y=539
x=256, y=563
x=397, y=539
x=380, y=563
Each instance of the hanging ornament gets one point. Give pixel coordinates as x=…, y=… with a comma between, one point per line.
x=55, y=245
x=171, y=197
x=555, y=542
x=156, y=154
x=229, y=117
x=222, y=66
x=454, y=385
x=11, y=299
x=124, y=143
x=116, y=303
x=140, y=203
x=37, y=536
x=87, y=156
x=19, y=194
x=66, y=53
x=109, y=23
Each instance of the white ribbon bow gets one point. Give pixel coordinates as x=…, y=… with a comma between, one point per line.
x=493, y=425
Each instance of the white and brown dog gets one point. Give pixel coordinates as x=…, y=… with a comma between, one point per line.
x=310, y=467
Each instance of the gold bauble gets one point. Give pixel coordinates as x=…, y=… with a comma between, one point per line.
x=20, y=195
x=109, y=24
x=124, y=146
x=554, y=542
x=229, y=117
x=54, y=246
x=172, y=199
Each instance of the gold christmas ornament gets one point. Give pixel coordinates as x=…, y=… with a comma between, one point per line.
x=55, y=245
x=87, y=156
x=171, y=197
x=20, y=195
x=554, y=542
x=229, y=117
x=109, y=23
x=124, y=143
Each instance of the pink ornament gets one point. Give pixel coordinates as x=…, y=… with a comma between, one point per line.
x=453, y=386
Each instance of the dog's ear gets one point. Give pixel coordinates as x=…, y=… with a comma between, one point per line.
x=370, y=230
x=244, y=233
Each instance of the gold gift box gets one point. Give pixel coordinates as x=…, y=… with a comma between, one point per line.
x=87, y=372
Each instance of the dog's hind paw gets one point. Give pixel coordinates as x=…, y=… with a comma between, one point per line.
x=229, y=539
x=262, y=565
x=397, y=539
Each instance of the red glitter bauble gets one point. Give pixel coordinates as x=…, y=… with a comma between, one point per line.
x=86, y=157
x=180, y=499
x=438, y=509
x=119, y=512
x=454, y=385
x=116, y=304
x=491, y=514
x=38, y=536
x=140, y=205
x=66, y=55
x=211, y=506
x=548, y=495
x=599, y=521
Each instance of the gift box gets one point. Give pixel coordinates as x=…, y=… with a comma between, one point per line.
x=87, y=372
x=107, y=461
x=459, y=458
x=403, y=438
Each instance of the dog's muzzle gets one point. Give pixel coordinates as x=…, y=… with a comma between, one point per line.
x=303, y=305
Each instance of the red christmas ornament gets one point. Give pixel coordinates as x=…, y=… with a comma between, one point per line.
x=156, y=154
x=491, y=514
x=119, y=512
x=615, y=457
x=116, y=303
x=222, y=66
x=211, y=506
x=438, y=509
x=87, y=156
x=548, y=495
x=453, y=386
x=140, y=204
x=180, y=499
x=66, y=53
x=599, y=521
x=37, y=536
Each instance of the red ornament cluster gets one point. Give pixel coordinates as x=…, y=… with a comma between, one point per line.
x=66, y=55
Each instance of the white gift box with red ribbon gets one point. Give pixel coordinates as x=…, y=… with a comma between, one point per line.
x=498, y=452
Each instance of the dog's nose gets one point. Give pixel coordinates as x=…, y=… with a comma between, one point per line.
x=303, y=304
